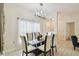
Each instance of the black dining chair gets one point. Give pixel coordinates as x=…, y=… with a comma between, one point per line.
x=75, y=41
x=53, y=46
x=29, y=36
x=36, y=35
x=26, y=48
x=46, y=47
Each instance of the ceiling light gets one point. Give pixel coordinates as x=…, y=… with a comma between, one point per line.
x=39, y=12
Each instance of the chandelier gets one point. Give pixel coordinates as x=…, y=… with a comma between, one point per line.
x=40, y=12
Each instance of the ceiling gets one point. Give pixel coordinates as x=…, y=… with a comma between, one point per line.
x=52, y=7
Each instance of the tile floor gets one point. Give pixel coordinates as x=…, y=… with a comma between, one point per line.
x=64, y=48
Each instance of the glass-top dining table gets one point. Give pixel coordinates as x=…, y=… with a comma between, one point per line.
x=36, y=43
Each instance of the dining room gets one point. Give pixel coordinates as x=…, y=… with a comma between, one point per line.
x=40, y=28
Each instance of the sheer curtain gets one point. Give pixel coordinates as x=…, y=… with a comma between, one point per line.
x=28, y=27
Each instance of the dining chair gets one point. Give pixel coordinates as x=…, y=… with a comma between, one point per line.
x=36, y=35
x=29, y=36
x=53, y=46
x=75, y=41
x=46, y=47
x=26, y=48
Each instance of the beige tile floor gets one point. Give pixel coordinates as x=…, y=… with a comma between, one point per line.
x=64, y=48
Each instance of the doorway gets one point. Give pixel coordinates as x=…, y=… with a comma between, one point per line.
x=70, y=30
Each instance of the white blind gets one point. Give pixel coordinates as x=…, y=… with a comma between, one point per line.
x=28, y=27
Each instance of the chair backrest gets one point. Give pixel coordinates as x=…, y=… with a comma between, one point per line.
x=53, y=36
x=36, y=35
x=47, y=42
x=43, y=37
x=24, y=43
x=30, y=36
x=74, y=40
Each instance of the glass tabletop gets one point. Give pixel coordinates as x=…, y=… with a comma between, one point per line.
x=34, y=41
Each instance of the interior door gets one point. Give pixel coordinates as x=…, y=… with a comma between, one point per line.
x=70, y=30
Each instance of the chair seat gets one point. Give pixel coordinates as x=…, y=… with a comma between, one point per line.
x=30, y=48
x=42, y=48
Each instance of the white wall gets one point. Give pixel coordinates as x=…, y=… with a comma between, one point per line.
x=64, y=18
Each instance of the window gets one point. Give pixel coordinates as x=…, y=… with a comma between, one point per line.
x=28, y=27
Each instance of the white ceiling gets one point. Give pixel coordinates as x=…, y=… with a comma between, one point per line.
x=52, y=7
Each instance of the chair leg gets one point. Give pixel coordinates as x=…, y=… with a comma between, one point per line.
x=26, y=54
x=74, y=47
x=22, y=53
x=44, y=53
x=55, y=49
x=52, y=51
